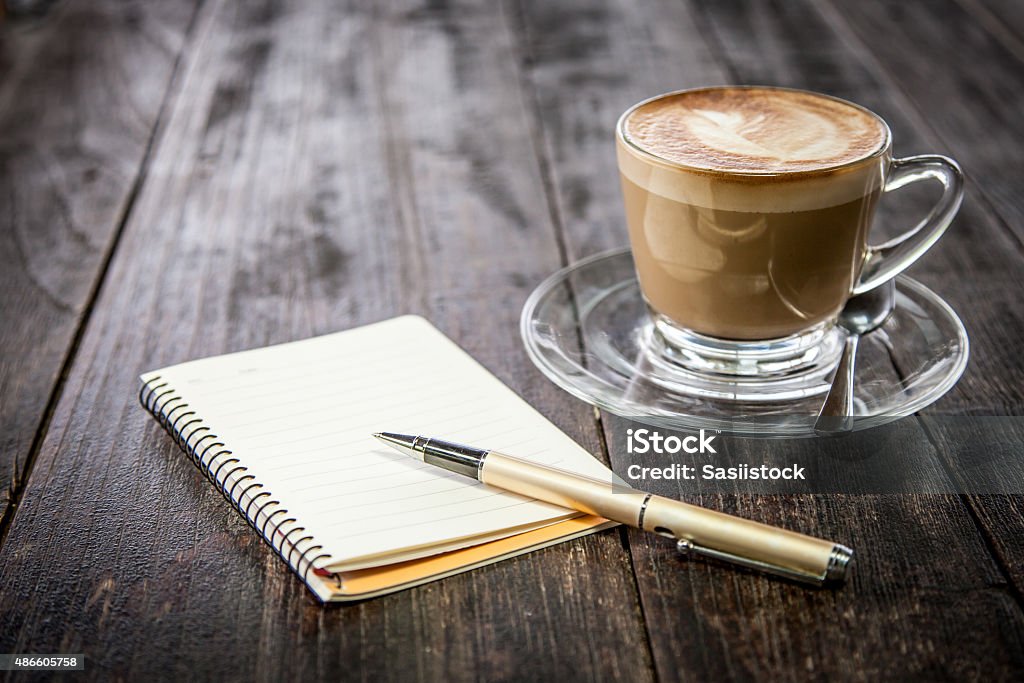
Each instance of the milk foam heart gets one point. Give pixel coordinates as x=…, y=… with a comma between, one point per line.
x=755, y=130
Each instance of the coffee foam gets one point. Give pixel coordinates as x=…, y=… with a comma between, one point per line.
x=755, y=130
x=753, y=149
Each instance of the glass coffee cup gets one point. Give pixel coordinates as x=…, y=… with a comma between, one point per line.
x=749, y=211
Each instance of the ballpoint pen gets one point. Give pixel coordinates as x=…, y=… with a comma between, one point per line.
x=696, y=530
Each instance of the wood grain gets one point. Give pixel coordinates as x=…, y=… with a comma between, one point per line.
x=745, y=626
x=1003, y=19
x=323, y=165
x=969, y=105
x=298, y=191
x=979, y=129
x=80, y=95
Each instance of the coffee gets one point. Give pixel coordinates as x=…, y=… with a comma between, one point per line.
x=754, y=130
x=749, y=208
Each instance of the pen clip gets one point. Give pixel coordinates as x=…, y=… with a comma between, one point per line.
x=837, y=563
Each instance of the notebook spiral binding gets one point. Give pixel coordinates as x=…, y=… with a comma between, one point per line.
x=216, y=462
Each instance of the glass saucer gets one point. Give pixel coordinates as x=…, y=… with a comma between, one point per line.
x=588, y=329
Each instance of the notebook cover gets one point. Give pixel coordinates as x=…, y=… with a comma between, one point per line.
x=371, y=583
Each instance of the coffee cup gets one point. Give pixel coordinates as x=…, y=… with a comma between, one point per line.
x=749, y=212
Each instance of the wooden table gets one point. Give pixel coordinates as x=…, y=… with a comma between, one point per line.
x=182, y=178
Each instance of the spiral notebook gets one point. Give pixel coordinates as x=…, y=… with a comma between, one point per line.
x=284, y=433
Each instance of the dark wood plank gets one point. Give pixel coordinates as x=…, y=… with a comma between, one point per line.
x=967, y=86
x=978, y=242
x=80, y=94
x=588, y=64
x=326, y=165
x=584, y=77
x=983, y=253
x=982, y=240
x=1003, y=19
x=19, y=9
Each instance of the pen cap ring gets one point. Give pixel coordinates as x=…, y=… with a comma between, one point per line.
x=838, y=564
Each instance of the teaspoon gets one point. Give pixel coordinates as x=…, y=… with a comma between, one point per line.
x=862, y=314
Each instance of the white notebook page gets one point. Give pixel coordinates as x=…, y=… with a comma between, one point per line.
x=300, y=417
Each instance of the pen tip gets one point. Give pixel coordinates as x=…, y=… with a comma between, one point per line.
x=404, y=443
x=378, y=435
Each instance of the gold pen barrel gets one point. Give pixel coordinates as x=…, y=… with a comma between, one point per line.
x=562, y=488
x=747, y=542
x=698, y=530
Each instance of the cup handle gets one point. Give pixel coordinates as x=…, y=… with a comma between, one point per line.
x=888, y=260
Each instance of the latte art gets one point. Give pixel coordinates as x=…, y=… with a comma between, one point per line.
x=755, y=130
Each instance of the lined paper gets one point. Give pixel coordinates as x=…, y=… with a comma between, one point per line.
x=300, y=416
